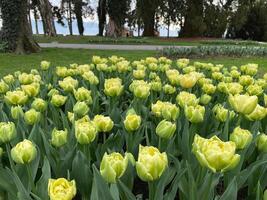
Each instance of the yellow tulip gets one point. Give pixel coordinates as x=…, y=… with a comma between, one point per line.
x=61, y=189
x=215, y=154
x=151, y=163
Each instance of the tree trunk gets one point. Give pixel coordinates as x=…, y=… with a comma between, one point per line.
x=149, y=25
x=113, y=30
x=193, y=25
x=168, y=28
x=70, y=17
x=25, y=41
x=148, y=10
x=16, y=28
x=138, y=27
x=45, y=8
x=78, y=6
x=36, y=21
x=101, y=12
x=29, y=15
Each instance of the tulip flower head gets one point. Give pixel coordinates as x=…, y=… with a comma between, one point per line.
x=61, y=189
x=215, y=154
x=151, y=163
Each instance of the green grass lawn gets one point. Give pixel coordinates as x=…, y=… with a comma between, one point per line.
x=144, y=40
x=11, y=62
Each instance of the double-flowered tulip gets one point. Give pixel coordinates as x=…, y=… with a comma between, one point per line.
x=215, y=154
x=151, y=163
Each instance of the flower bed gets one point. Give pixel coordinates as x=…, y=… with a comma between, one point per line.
x=155, y=128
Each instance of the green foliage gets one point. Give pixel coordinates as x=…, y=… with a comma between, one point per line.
x=215, y=19
x=250, y=21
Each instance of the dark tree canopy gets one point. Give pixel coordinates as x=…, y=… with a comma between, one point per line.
x=249, y=21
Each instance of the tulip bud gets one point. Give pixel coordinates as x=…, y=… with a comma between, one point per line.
x=254, y=90
x=168, y=89
x=7, y=131
x=157, y=108
x=170, y=111
x=82, y=94
x=243, y=103
x=188, y=81
x=217, y=76
x=234, y=88
x=186, y=99
x=165, y=129
x=257, y=114
x=71, y=117
x=103, y=124
x=61, y=189
x=16, y=97
x=189, y=69
x=151, y=163
x=90, y=76
x=31, y=90
x=156, y=86
x=241, y=137
x=208, y=88
x=222, y=87
x=205, y=99
x=68, y=84
x=221, y=113
x=113, y=166
x=251, y=69
x=3, y=87
x=265, y=100
x=261, y=142
x=9, y=79
x=58, y=100
x=139, y=74
x=113, y=87
x=25, y=78
x=182, y=62
x=24, y=152
x=132, y=122
x=141, y=90
x=16, y=112
x=235, y=73
x=45, y=65
x=52, y=92
x=80, y=109
x=215, y=154
x=39, y=104
x=59, y=137
x=195, y=114
x=246, y=80
x=85, y=132
x=32, y=116
x=173, y=76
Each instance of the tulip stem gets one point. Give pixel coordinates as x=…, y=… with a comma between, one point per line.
x=151, y=188
x=9, y=157
x=104, y=138
x=30, y=178
x=160, y=144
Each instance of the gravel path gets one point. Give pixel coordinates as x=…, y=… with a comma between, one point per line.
x=108, y=46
